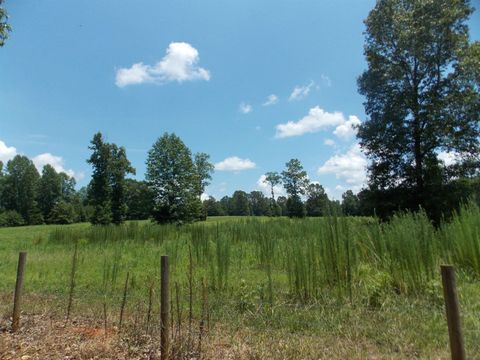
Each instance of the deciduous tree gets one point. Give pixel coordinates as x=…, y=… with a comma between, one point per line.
x=295, y=182
x=100, y=185
x=173, y=179
x=422, y=93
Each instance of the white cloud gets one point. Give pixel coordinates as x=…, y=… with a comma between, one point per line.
x=55, y=161
x=348, y=129
x=271, y=100
x=264, y=187
x=329, y=142
x=179, y=64
x=299, y=92
x=449, y=158
x=350, y=167
x=316, y=120
x=245, y=108
x=234, y=163
x=6, y=152
x=204, y=197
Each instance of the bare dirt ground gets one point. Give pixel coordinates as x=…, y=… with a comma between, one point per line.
x=43, y=337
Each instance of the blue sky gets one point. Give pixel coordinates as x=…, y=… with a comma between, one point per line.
x=252, y=83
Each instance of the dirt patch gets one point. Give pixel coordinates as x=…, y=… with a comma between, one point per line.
x=41, y=337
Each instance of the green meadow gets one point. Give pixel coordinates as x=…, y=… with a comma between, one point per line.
x=358, y=281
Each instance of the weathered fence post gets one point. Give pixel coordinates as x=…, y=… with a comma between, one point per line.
x=164, y=307
x=22, y=258
x=453, y=314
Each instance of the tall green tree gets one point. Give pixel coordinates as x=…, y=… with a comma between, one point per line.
x=273, y=179
x=203, y=170
x=49, y=190
x=173, y=179
x=119, y=168
x=226, y=205
x=5, y=28
x=139, y=199
x=350, y=203
x=100, y=184
x=20, y=188
x=317, y=200
x=239, y=204
x=295, y=181
x=203, y=174
x=422, y=93
x=212, y=207
x=68, y=183
x=259, y=204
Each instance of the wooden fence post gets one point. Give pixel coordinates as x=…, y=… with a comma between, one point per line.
x=22, y=258
x=453, y=314
x=164, y=308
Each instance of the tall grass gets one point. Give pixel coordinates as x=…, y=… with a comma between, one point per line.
x=296, y=258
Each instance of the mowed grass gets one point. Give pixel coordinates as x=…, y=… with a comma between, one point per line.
x=352, y=284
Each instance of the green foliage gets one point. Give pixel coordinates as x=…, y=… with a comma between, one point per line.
x=49, y=190
x=175, y=180
x=239, y=204
x=62, y=213
x=107, y=187
x=315, y=277
x=295, y=207
x=259, y=204
x=273, y=179
x=350, y=203
x=212, y=207
x=422, y=97
x=317, y=201
x=461, y=239
x=139, y=199
x=295, y=181
x=11, y=218
x=99, y=188
x=20, y=188
x=5, y=28
x=203, y=170
x=119, y=168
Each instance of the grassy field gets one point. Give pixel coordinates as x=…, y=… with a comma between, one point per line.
x=265, y=288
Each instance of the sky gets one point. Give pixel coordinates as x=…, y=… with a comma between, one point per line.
x=251, y=83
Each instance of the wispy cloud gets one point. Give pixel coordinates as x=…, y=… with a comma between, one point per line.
x=271, y=100
x=326, y=80
x=234, y=163
x=329, y=142
x=179, y=64
x=245, y=108
x=301, y=91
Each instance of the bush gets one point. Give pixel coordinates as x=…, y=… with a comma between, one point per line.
x=62, y=213
x=11, y=218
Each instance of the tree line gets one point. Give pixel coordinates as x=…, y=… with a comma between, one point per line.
x=171, y=192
